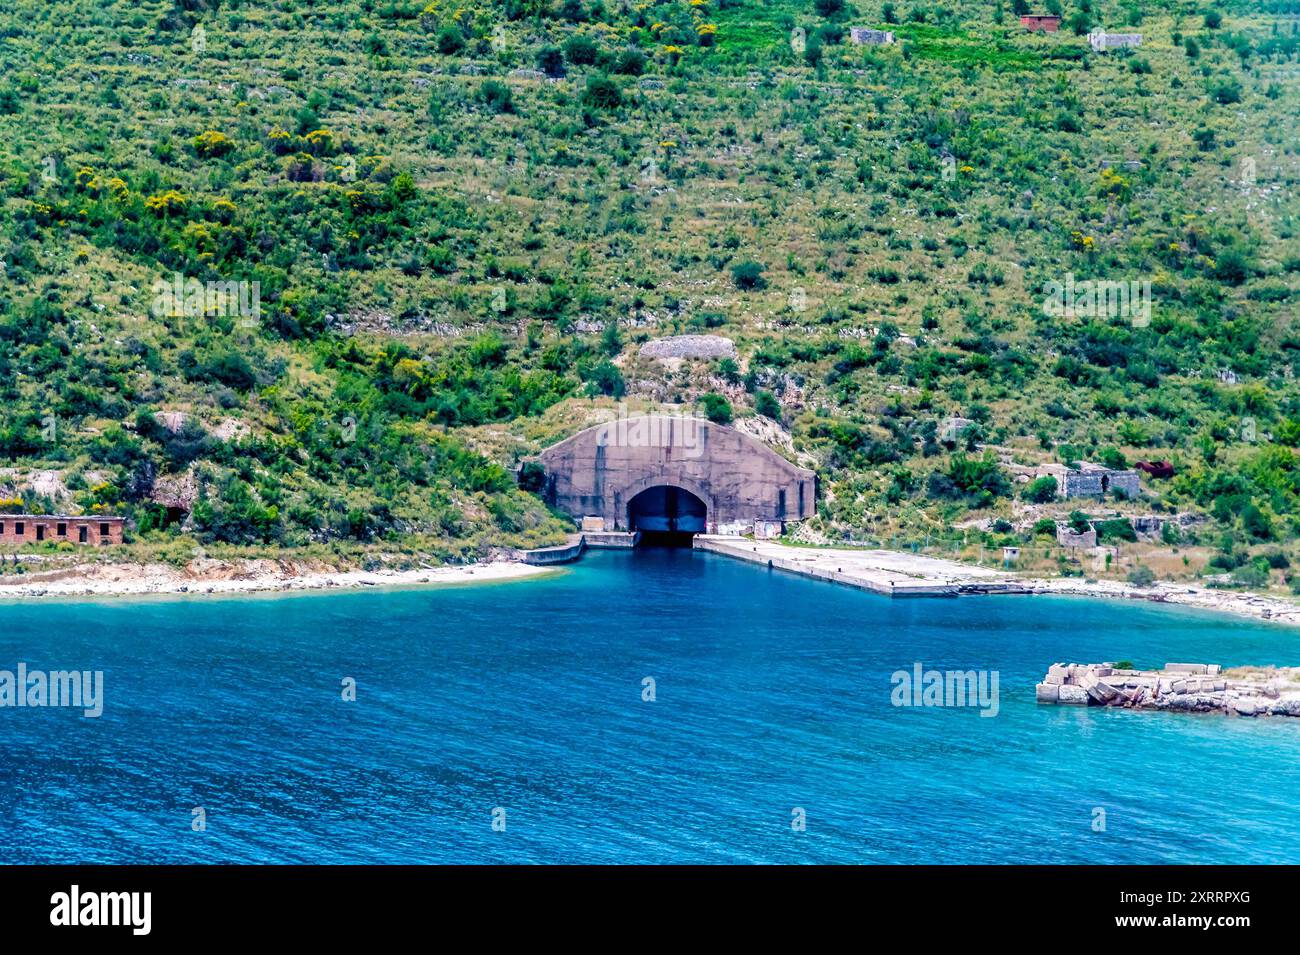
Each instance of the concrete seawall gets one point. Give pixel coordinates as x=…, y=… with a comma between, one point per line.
x=567, y=553
x=564, y=554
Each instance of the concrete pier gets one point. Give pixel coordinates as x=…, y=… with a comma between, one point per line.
x=879, y=571
x=611, y=540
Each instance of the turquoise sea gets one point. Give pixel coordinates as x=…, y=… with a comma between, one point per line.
x=523, y=702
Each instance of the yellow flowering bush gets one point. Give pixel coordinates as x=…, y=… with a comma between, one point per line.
x=212, y=143
x=167, y=203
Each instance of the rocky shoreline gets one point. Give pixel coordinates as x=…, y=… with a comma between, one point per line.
x=1179, y=687
x=898, y=573
x=1241, y=604
x=902, y=574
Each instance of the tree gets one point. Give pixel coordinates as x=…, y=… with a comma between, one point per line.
x=828, y=8
x=605, y=378
x=550, y=60
x=1042, y=490
x=611, y=341
x=1113, y=459
x=748, y=276
x=602, y=93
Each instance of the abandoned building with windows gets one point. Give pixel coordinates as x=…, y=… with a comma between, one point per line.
x=18, y=529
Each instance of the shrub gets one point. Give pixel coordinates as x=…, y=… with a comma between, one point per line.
x=532, y=476
x=1141, y=576
x=497, y=97
x=748, y=276
x=716, y=408
x=978, y=480
x=630, y=62
x=1253, y=574
x=450, y=41
x=1226, y=92
x=1119, y=528
x=581, y=49
x=765, y=403
x=212, y=143
x=602, y=93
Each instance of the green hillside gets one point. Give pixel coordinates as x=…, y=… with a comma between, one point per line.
x=464, y=221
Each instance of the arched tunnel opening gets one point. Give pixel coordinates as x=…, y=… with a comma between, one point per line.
x=667, y=516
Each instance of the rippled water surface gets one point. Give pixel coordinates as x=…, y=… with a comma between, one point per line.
x=772, y=692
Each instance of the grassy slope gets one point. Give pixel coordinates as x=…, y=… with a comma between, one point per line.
x=831, y=177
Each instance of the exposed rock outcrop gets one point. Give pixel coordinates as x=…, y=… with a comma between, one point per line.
x=690, y=346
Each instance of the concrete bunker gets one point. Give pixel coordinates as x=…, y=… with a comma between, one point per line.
x=667, y=509
x=664, y=474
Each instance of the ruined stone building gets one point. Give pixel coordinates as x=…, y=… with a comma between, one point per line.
x=1088, y=480
x=1101, y=42
x=1067, y=536
x=1093, y=480
x=862, y=35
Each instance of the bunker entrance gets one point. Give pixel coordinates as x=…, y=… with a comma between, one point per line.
x=667, y=516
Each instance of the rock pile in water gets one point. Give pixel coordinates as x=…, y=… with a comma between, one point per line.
x=1182, y=687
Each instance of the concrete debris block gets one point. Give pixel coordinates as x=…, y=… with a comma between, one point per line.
x=1182, y=687
x=1073, y=695
x=1102, y=692
x=1245, y=707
